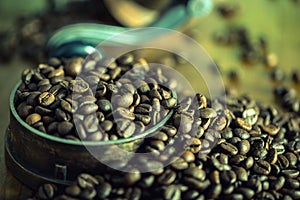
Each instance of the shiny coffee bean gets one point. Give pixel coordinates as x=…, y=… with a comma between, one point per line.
x=33, y=118
x=262, y=167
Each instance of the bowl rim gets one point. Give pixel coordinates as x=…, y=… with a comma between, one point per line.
x=85, y=143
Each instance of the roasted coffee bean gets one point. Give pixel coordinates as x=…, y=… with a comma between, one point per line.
x=172, y=192
x=132, y=177
x=133, y=193
x=24, y=110
x=179, y=164
x=249, y=162
x=188, y=156
x=194, y=145
x=271, y=129
x=86, y=181
x=262, y=167
x=91, y=123
x=167, y=178
x=282, y=162
x=33, y=118
x=290, y=173
x=240, y=122
x=46, y=191
x=243, y=147
x=42, y=110
x=169, y=103
x=125, y=128
x=228, y=176
x=279, y=148
x=241, y=173
x=272, y=156
x=61, y=115
x=207, y=113
x=229, y=148
x=74, y=67
x=106, y=125
x=79, y=86
x=64, y=127
x=276, y=183
x=65, y=105
x=292, y=158
x=227, y=133
x=146, y=119
x=243, y=134
x=73, y=190
x=87, y=109
x=32, y=98
x=104, y=190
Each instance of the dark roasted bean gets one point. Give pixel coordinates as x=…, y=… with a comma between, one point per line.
x=282, y=162
x=262, y=167
x=229, y=148
x=207, y=113
x=46, y=191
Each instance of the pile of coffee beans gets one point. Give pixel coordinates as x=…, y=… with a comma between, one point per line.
x=93, y=101
x=241, y=150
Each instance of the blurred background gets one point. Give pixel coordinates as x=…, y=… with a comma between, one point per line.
x=255, y=44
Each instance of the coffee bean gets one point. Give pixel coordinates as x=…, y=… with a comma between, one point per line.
x=79, y=86
x=56, y=73
x=167, y=178
x=241, y=173
x=172, y=192
x=279, y=148
x=240, y=122
x=64, y=127
x=73, y=190
x=207, y=113
x=290, y=173
x=276, y=183
x=104, y=190
x=244, y=147
x=132, y=177
x=74, y=67
x=91, y=123
x=282, y=162
x=87, y=109
x=188, y=156
x=194, y=145
x=61, y=115
x=146, y=119
x=33, y=118
x=272, y=156
x=86, y=181
x=179, y=164
x=243, y=134
x=271, y=129
x=125, y=128
x=228, y=176
x=169, y=103
x=292, y=158
x=46, y=191
x=229, y=148
x=249, y=163
x=262, y=167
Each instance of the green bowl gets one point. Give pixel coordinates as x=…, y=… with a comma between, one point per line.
x=35, y=157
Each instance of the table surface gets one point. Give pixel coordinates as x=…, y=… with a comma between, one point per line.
x=276, y=20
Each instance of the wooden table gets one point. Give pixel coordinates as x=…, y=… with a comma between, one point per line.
x=277, y=20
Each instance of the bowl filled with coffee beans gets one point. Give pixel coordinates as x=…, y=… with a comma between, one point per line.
x=66, y=111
